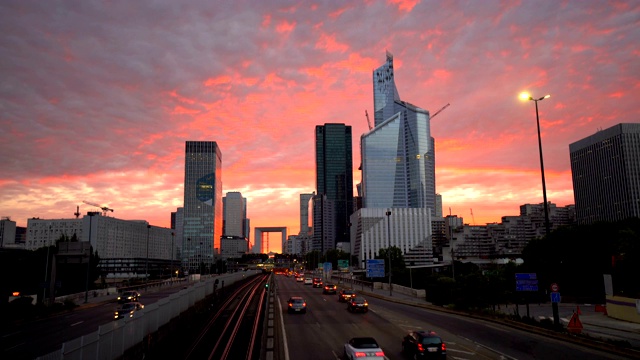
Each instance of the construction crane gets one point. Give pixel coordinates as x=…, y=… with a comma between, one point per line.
x=104, y=208
x=438, y=112
x=77, y=213
x=473, y=218
x=368, y=121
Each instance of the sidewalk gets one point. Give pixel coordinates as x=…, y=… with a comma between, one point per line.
x=596, y=324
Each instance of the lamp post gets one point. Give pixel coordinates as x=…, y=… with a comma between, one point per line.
x=146, y=266
x=171, y=265
x=388, y=213
x=46, y=268
x=86, y=289
x=526, y=96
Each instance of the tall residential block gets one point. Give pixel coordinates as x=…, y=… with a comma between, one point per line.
x=606, y=174
x=202, y=227
x=334, y=179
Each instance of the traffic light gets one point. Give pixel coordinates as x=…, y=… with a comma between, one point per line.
x=266, y=285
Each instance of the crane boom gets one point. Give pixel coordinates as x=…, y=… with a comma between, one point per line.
x=104, y=208
x=438, y=112
x=368, y=121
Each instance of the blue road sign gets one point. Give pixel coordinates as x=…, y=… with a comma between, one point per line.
x=555, y=297
x=526, y=276
x=375, y=268
x=526, y=287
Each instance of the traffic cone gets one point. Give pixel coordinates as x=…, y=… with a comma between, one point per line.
x=575, y=325
x=579, y=312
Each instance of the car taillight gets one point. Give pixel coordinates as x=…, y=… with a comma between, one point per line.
x=360, y=354
x=420, y=347
x=304, y=304
x=379, y=353
x=290, y=304
x=444, y=347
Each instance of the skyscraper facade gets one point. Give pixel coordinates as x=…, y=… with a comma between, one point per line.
x=334, y=178
x=235, y=215
x=304, y=213
x=398, y=155
x=605, y=168
x=202, y=205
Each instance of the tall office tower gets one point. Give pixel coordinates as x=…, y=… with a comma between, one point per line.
x=235, y=215
x=606, y=175
x=398, y=154
x=304, y=213
x=334, y=177
x=202, y=205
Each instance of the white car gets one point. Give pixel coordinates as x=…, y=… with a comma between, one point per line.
x=362, y=348
x=308, y=281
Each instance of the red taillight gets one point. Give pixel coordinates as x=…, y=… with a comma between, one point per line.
x=361, y=354
x=304, y=304
x=379, y=353
x=290, y=304
x=444, y=347
x=420, y=347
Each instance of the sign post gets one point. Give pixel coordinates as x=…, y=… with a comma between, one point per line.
x=555, y=299
x=527, y=282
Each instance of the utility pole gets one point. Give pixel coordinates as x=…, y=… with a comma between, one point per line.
x=388, y=213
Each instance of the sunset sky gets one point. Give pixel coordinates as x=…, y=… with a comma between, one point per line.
x=97, y=98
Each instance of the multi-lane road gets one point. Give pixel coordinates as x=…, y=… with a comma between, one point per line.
x=327, y=325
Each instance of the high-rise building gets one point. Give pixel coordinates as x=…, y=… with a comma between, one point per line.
x=202, y=227
x=334, y=180
x=606, y=175
x=398, y=156
x=235, y=215
x=304, y=214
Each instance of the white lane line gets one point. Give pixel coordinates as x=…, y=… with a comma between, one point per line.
x=78, y=323
x=284, y=334
x=460, y=351
x=502, y=356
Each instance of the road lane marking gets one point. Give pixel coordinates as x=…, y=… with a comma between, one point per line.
x=78, y=323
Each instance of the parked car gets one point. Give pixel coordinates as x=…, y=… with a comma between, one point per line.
x=127, y=310
x=128, y=296
x=329, y=289
x=362, y=348
x=296, y=304
x=358, y=304
x=424, y=345
x=346, y=295
x=317, y=282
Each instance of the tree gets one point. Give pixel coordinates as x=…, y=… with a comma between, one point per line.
x=397, y=260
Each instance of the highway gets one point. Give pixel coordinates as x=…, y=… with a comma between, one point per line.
x=327, y=325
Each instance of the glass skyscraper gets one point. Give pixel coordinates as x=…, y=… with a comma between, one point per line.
x=605, y=168
x=202, y=226
x=398, y=156
x=334, y=182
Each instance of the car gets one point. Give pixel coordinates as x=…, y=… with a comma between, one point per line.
x=346, y=295
x=358, y=304
x=308, y=281
x=299, y=278
x=424, y=345
x=329, y=289
x=128, y=296
x=296, y=304
x=317, y=282
x=127, y=310
x=362, y=348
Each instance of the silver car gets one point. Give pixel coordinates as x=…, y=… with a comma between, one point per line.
x=297, y=304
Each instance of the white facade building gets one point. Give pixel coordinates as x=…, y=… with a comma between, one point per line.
x=406, y=228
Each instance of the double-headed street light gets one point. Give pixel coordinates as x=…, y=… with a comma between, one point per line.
x=525, y=96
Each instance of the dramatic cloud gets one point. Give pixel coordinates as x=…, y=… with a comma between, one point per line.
x=98, y=98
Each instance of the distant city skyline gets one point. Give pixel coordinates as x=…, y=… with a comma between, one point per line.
x=97, y=103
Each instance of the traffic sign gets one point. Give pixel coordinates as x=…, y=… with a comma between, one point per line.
x=375, y=268
x=555, y=287
x=526, y=282
x=526, y=276
x=555, y=297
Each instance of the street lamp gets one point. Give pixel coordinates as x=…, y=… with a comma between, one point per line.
x=146, y=267
x=86, y=289
x=526, y=96
x=388, y=213
x=46, y=268
x=171, y=266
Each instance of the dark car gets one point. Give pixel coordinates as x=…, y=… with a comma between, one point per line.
x=424, y=345
x=329, y=289
x=346, y=295
x=128, y=296
x=127, y=310
x=317, y=282
x=296, y=304
x=358, y=304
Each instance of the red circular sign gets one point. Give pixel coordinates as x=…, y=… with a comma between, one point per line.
x=555, y=287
